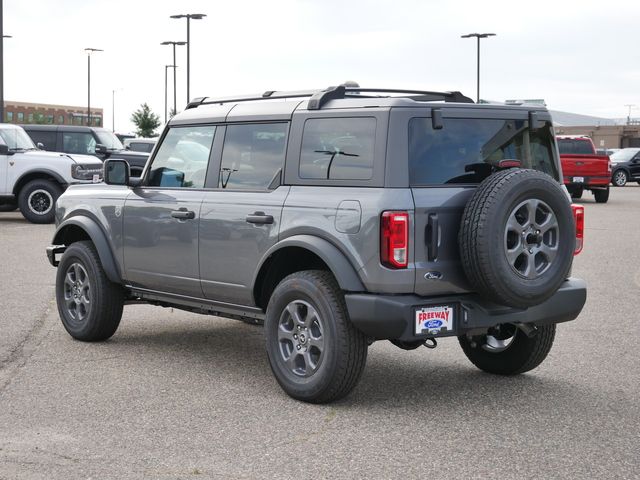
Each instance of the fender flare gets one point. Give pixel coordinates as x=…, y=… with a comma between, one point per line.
x=63, y=183
x=98, y=238
x=337, y=261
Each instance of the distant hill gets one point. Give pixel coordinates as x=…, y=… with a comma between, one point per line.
x=566, y=119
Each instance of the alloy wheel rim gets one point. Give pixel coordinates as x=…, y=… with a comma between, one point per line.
x=40, y=202
x=620, y=178
x=531, y=238
x=77, y=293
x=301, y=343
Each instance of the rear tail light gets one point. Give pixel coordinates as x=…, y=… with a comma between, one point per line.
x=394, y=239
x=578, y=216
x=609, y=166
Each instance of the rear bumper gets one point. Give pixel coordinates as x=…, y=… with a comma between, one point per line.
x=393, y=316
x=588, y=182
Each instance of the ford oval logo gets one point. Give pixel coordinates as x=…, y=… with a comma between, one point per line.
x=433, y=275
x=434, y=324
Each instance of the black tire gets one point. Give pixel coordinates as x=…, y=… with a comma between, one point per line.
x=619, y=178
x=577, y=193
x=103, y=300
x=8, y=207
x=37, y=200
x=601, y=196
x=323, y=374
x=509, y=262
x=521, y=355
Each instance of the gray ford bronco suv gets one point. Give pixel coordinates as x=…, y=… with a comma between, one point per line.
x=337, y=217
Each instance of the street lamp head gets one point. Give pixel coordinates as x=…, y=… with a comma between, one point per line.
x=89, y=50
x=173, y=43
x=194, y=16
x=478, y=35
x=7, y=36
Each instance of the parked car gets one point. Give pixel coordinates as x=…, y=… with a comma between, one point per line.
x=347, y=217
x=625, y=166
x=140, y=144
x=607, y=151
x=95, y=141
x=582, y=168
x=32, y=180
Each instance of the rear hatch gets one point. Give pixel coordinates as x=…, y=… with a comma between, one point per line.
x=446, y=163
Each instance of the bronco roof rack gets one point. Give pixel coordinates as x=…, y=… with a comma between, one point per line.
x=320, y=97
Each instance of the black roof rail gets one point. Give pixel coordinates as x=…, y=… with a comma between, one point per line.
x=320, y=97
x=420, y=95
x=268, y=95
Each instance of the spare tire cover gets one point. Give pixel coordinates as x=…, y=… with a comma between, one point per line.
x=517, y=237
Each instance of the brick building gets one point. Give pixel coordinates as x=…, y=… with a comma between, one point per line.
x=42, y=113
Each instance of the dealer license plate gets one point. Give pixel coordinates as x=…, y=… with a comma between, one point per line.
x=578, y=179
x=434, y=320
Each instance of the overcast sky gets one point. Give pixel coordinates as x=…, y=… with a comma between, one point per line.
x=580, y=56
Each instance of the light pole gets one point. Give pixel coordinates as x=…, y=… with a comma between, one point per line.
x=2, y=37
x=113, y=108
x=89, y=50
x=174, y=70
x=165, y=90
x=478, y=36
x=189, y=16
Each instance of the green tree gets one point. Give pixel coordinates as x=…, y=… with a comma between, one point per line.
x=146, y=121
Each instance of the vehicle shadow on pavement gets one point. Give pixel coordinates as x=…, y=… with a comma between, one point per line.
x=233, y=352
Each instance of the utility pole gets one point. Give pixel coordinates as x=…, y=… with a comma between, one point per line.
x=165, y=90
x=478, y=36
x=174, y=71
x=630, y=106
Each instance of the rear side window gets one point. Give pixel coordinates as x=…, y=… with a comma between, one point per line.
x=338, y=148
x=253, y=155
x=466, y=151
x=182, y=158
x=574, y=146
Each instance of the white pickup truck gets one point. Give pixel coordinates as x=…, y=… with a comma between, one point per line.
x=32, y=179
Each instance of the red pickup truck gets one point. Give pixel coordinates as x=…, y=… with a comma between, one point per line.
x=583, y=169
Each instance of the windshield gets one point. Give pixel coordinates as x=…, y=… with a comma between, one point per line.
x=469, y=150
x=109, y=140
x=16, y=139
x=624, y=155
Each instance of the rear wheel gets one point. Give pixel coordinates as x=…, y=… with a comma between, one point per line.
x=619, y=178
x=89, y=304
x=37, y=200
x=316, y=354
x=601, y=196
x=507, y=350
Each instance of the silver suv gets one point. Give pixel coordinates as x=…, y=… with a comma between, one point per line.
x=337, y=217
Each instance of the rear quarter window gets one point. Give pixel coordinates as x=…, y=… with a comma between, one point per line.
x=575, y=146
x=466, y=151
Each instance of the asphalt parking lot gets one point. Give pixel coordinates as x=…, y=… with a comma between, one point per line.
x=175, y=395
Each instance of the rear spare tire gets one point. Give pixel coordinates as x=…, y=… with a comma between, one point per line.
x=517, y=238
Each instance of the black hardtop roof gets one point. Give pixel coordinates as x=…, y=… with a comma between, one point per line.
x=55, y=128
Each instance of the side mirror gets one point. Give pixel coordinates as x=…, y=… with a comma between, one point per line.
x=116, y=172
x=40, y=145
x=101, y=149
x=4, y=149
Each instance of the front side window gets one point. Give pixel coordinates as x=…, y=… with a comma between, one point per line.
x=466, y=151
x=253, y=155
x=182, y=158
x=338, y=148
x=78, y=142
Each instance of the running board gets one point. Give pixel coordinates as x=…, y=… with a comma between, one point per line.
x=201, y=305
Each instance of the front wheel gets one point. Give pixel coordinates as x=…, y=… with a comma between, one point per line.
x=89, y=304
x=619, y=178
x=507, y=350
x=315, y=353
x=37, y=200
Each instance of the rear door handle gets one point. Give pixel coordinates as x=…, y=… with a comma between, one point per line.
x=432, y=235
x=183, y=214
x=260, y=218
